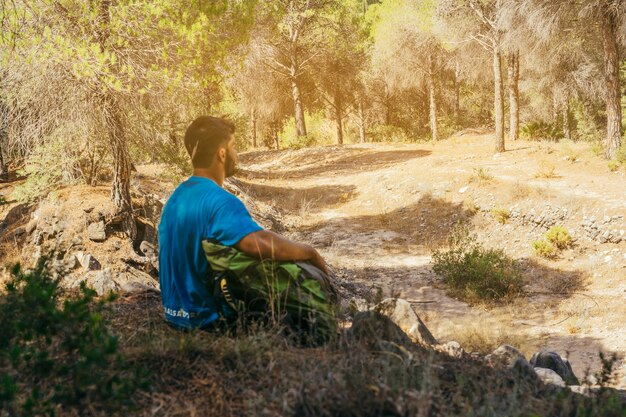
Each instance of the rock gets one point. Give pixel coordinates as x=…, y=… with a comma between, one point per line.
x=552, y=360
x=505, y=355
x=38, y=238
x=453, y=349
x=96, y=232
x=148, y=249
x=371, y=327
x=138, y=287
x=31, y=226
x=77, y=241
x=463, y=189
x=102, y=281
x=88, y=262
x=548, y=376
x=19, y=231
x=524, y=370
x=403, y=315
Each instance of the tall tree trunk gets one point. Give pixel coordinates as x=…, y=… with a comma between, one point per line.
x=498, y=96
x=457, y=95
x=112, y=115
x=120, y=191
x=567, y=126
x=4, y=114
x=361, y=115
x=612, y=82
x=513, y=72
x=253, y=135
x=432, y=96
x=275, y=134
x=338, y=117
x=299, y=110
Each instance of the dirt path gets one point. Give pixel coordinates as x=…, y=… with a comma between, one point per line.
x=378, y=211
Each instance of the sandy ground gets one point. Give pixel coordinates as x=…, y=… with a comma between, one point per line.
x=377, y=212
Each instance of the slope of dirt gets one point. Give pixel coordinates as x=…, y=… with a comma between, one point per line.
x=377, y=212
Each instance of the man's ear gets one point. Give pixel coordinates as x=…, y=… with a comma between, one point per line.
x=221, y=154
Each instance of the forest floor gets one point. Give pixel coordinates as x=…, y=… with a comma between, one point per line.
x=377, y=212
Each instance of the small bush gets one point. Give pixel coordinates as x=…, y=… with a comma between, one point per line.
x=546, y=170
x=481, y=176
x=541, y=131
x=559, y=237
x=56, y=351
x=545, y=249
x=501, y=215
x=474, y=273
x=613, y=166
x=597, y=148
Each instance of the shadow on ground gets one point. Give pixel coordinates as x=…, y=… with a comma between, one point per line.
x=427, y=223
x=295, y=200
x=328, y=160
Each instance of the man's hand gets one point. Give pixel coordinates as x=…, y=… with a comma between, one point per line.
x=269, y=245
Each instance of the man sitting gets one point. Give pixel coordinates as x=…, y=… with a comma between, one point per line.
x=216, y=262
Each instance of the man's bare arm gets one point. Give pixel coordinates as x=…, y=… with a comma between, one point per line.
x=269, y=245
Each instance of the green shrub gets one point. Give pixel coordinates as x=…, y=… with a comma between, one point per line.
x=56, y=351
x=474, y=273
x=620, y=155
x=559, y=237
x=541, y=131
x=613, y=166
x=545, y=249
x=501, y=215
x=389, y=133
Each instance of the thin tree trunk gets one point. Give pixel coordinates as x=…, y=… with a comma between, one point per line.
x=253, y=122
x=567, y=127
x=513, y=70
x=338, y=117
x=299, y=110
x=4, y=172
x=612, y=81
x=4, y=112
x=112, y=114
x=361, y=122
x=457, y=95
x=432, y=96
x=498, y=97
x=275, y=134
x=120, y=191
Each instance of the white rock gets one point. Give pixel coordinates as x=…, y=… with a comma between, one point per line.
x=548, y=376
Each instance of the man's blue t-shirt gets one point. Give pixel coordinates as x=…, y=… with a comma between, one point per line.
x=198, y=209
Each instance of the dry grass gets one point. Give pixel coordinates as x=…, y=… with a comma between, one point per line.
x=481, y=176
x=547, y=170
x=484, y=339
x=372, y=371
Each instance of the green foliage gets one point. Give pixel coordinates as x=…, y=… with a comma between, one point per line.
x=559, y=237
x=474, y=273
x=541, y=131
x=501, y=215
x=388, y=133
x=56, y=351
x=620, y=155
x=50, y=164
x=545, y=249
x=320, y=132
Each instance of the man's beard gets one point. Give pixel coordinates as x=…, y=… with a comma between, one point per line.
x=230, y=166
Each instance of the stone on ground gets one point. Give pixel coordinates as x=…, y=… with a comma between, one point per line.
x=404, y=316
x=553, y=361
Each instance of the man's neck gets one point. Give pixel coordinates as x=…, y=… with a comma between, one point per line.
x=212, y=174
